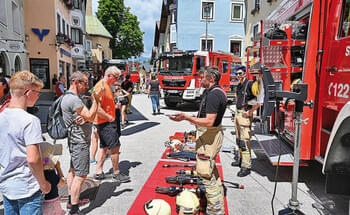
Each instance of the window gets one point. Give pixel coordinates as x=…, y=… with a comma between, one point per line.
x=207, y=10
x=235, y=47
x=76, y=4
x=173, y=17
x=77, y=36
x=236, y=12
x=40, y=67
x=58, y=23
x=344, y=29
x=67, y=30
x=225, y=67
x=64, y=26
x=15, y=19
x=210, y=44
x=3, y=12
x=88, y=45
x=256, y=31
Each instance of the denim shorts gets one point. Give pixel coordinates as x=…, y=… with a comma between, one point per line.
x=32, y=205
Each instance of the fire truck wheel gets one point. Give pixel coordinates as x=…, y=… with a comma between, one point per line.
x=170, y=104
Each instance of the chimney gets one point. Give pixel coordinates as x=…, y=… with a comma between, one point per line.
x=89, y=8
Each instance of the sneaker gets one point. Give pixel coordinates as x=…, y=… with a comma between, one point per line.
x=93, y=160
x=120, y=177
x=79, y=212
x=100, y=176
x=243, y=172
x=81, y=203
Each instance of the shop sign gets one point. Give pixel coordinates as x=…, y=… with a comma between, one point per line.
x=78, y=52
x=64, y=52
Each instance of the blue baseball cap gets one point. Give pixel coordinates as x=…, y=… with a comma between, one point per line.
x=243, y=68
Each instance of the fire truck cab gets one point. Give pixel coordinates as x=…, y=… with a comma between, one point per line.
x=325, y=68
x=178, y=74
x=134, y=68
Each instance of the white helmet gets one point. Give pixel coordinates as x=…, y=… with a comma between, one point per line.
x=175, y=145
x=187, y=202
x=157, y=207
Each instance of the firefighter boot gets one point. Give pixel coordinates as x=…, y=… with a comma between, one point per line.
x=246, y=159
x=237, y=157
x=243, y=172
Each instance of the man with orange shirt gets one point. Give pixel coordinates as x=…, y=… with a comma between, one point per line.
x=107, y=128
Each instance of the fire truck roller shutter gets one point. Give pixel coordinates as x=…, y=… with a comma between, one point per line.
x=336, y=165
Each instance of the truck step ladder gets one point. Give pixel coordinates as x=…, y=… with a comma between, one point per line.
x=272, y=149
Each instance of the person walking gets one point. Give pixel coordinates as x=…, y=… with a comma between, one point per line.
x=209, y=137
x=127, y=85
x=22, y=180
x=243, y=119
x=107, y=128
x=4, y=94
x=121, y=101
x=60, y=86
x=154, y=93
x=76, y=117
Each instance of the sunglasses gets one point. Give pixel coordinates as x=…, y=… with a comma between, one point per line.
x=84, y=82
x=239, y=73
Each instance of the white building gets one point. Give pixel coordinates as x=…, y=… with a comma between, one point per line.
x=12, y=36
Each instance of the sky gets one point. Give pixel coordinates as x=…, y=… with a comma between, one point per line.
x=147, y=12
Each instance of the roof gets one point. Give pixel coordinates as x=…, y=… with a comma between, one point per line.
x=95, y=27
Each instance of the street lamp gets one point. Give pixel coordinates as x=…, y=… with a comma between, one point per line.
x=206, y=17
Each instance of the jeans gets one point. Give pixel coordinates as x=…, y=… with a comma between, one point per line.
x=32, y=205
x=155, y=101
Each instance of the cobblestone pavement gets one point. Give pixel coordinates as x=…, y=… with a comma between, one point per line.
x=143, y=144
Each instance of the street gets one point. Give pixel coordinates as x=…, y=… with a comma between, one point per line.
x=143, y=144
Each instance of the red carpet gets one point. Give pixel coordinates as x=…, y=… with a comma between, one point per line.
x=157, y=178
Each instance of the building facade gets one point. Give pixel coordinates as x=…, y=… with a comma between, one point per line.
x=202, y=25
x=12, y=36
x=97, y=40
x=54, y=38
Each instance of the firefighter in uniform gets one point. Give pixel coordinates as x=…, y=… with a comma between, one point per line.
x=246, y=91
x=209, y=137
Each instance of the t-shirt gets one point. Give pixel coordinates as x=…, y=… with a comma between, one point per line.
x=154, y=87
x=76, y=133
x=244, y=88
x=214, y=101
x=107, y=102
x=126, y=85
x=19, y=129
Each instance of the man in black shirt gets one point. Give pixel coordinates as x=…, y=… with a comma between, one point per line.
x=209, y=137
x=128, y=86
x=246, y=91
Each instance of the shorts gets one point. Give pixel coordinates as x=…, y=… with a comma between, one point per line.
x=108, y=133
x=80, y=158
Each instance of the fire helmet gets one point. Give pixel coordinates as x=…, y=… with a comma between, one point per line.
x=157, y=207
x=187, y=202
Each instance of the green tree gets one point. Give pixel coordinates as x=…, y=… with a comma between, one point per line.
x=123, y=26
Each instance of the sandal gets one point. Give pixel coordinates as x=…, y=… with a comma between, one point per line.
x=100, y=176
x=81, y=203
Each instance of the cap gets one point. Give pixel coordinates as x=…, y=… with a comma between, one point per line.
x=243, y=68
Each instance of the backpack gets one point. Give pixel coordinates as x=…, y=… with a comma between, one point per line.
x=56, y=127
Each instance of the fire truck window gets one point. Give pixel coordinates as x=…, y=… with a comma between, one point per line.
x=225, y=67
x=198, y=63
x=345, y=20
x=217, y=61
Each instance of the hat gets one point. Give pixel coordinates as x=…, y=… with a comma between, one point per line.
x=243, y=68
x=157, y=207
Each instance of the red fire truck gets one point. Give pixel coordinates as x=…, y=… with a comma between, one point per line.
x=323, y=62
x=178, y=73
x=122, y=64
x=134, y=68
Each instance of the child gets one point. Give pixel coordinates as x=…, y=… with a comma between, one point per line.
x=54, y=175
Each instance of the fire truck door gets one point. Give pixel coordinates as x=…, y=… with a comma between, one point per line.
x=335, y=78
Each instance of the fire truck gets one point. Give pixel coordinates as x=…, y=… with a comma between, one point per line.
x=134, y=68
x=310, y=41
x=178, y=74
x=122, y=64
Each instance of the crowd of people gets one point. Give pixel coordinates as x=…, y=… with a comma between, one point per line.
x=28, y=169
x=34, y=169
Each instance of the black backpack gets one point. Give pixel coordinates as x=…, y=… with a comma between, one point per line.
x=55, y=124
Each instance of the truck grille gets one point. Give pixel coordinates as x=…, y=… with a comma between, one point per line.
x=174, y=83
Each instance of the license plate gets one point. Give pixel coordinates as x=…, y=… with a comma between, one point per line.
x=173, y=91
